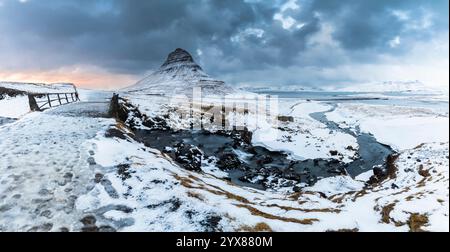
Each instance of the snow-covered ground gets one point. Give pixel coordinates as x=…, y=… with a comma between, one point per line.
x=45, y=166
x=39, y=87
x=14, y=107
x=398, y=126
x=396, y=204
x=305, y=137
x=72, y=168
x=389, y=86
x=154, y=194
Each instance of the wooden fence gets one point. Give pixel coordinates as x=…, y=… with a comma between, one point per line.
x=40, y=102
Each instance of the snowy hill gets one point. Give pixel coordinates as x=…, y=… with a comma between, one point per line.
x=179, y=74
x=22, y=87
x=370, y=87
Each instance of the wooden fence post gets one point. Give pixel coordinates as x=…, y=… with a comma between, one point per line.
x=33, y=104
x=49, y=100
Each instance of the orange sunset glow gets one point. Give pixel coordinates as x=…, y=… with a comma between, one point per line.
x=84, y=77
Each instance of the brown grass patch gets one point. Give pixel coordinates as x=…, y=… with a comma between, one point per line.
x=421, y=183
x=259, y=227
x=423, y=172
x=338, y=198
x=359, y=194
x=416, y=222
x=402, y=191
x=228, y=195
x=409, y=198
x=195, y=195
x=419, y=146
x=257, y=212
x=318, y=210
x=188, y=183
x=344, y=230
x=385, y=213
x=391, y=166
x=185, y=182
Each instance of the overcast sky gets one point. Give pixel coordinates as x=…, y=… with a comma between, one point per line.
x=113, y=43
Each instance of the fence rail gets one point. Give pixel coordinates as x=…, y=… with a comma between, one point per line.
x=40, y=102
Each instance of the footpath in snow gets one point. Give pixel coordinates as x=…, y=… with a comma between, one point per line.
x=45, y=166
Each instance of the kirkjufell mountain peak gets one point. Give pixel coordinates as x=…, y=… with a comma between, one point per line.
x=179, y=74
x=177, y=56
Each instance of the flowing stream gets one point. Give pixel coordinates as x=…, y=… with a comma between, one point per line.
x=261, y=168
x=371, y=152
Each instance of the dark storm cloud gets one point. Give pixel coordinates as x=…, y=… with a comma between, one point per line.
x=367, y=24
x=135, y=36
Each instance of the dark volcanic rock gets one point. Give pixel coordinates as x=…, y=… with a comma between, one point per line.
x=228, y=161
x=98, y=177
x=114, y=132
x=89, y=224
x=178, y=56
x=123, y=171
x=156, y=123
x=88, y=220
x=10, y=92
x=106, y=229
x=333, y=152
x=286, y=118
x=212, y=223
x=266, y=159
x=174, y=204
x=189, y=156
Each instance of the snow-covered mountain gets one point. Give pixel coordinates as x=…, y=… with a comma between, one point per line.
x=179, y=75
x=370, y=87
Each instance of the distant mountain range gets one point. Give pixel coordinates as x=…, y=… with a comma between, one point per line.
x=372, y=87
x=389, y=86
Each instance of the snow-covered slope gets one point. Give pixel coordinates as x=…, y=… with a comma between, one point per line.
x=104, y=179
x=37, y=87
x=13, y=107
x=179, y=75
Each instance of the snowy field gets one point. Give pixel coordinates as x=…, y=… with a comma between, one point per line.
x=74, y=169
x=306, y=138
x=401, y=127
x=163, y=197
x=14, y=107
x=38, y=87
